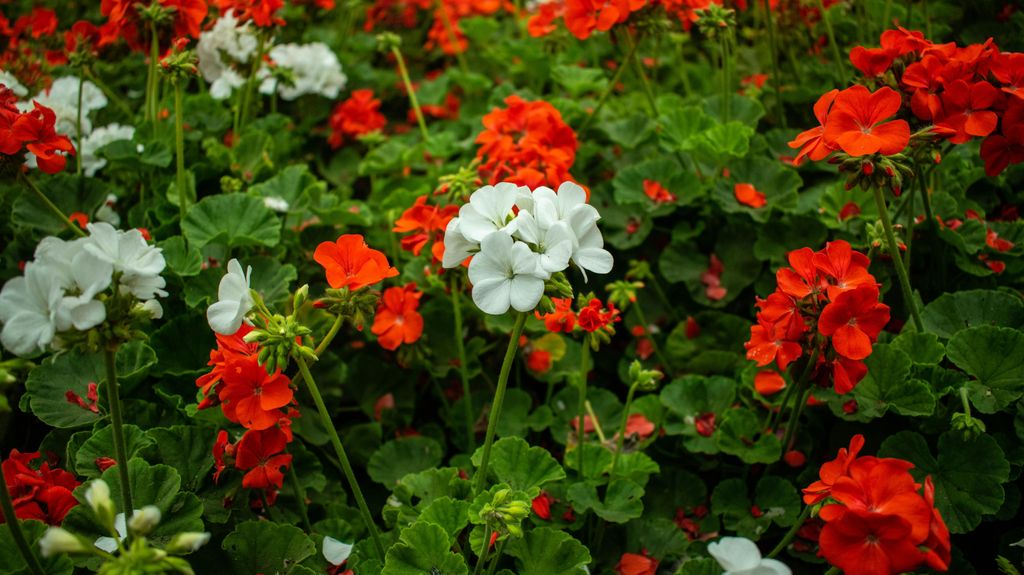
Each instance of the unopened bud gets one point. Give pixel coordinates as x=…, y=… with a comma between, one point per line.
x=144, y=520
x=187, y=542
x=59, y=540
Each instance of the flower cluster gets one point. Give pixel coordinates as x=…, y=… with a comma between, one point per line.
x=66, y=286
x=526, y=143
x=357, y=115
x=878, y=520
x=42, y=493
x=514, y=253
x=32, y=131
x=397, y=320
x=126, y=19
x=227, y=44
x=301, y=69
x=427, y=224
x=262, y=13
x=825, y=297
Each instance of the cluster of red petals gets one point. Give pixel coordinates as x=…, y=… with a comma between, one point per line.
x=41, y=493
x=260, y=453
x=124, y=21
x=397, y=320
x=563, y=318
x=444, y=32
x=425, y=224
x=584, y=17
x=352, y=264
x=262, y=13
x=32, y=131
x=878, y=520
x=658, y=193
x=750, y=196
x=357, y=115
x=526, y=143
x=855, y=121
x=825, y=300
x=636, y=564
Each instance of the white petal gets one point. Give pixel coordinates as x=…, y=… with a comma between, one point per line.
x=523, y=259
x=527, y=228
x=224, y=318
x=88, y=315
x=336, y=552
x=456, y=247
x=570, y=194
x=556, y=258
x=526, y=292
x=107, y=544
x=493, y=295
x=772, y=567
x=597, y=260
x=735, y=554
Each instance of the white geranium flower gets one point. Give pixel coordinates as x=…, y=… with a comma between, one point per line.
x=504, y=275
x=223, y=45
x=488, y=211
x=554, y=244
x=28, y=309
x=91, y=144
x=456, y=247
x=234, y=300
x=82, y=277
x=314, y=70
x=336, y=552
x=569, y=206
x=740, y=556
x=62, y=98
x=138, y=262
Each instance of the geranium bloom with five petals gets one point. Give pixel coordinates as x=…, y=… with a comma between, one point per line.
x=251, y=396
x=261, y=454
x=853, y=320
x=352, y=264
x=857, y=122
x=397, y=320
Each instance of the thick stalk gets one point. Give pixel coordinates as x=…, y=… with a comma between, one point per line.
x=460, y=347
x=776, y=78
x=792, y=532
x=412, y=93
x=50, y=205
x=486, y=545
x=840, y=70
x=581, y=421
x=323, y=345
x=117, y=426
x=179, y=149
x=611, y=86
x=497, y=557
x=300, y=496
x=894, y=255
x=499, y=396
x=339, y=450
x=621, y=437
x=12, y=523
x=78, y=127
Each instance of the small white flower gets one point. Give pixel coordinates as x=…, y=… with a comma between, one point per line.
x=569, y=205
x=153, y=308
x=504, y=275
x=336, y=552
x=138, y=262
x=58, y=540
x=28, y=309
x=82, y=277
x=314, y=70
x=554, y=244
x=97, y=495
x=276, y=203
x=488, y=211
x=187, y=542
x=740, y=556
x=234, y=300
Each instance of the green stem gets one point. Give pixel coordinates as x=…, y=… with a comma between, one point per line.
x=776, y=78
x=798, y=383
x=486, y=545
x=639, y=69
x=322, y=346
x=723, y=45
x=78, y=127
x=117, y=426
x=654, y=344
x=300, y=496
x=794, y=421
x=460, y=347
x=245, y=101
x=621, y=437
x=840, y=70
x=153, y=79
x=497, y=556
x=792, y=532
x=597, y=424
x=50, y=205
x=966, y=403
x=412, y=93
x=581, y=425
x=611, y=86
x=12, y=523
x=179, y=149
x=499, y=396
x=894, y=253
x=910, y=228
x=339, y=450
x=833, y=571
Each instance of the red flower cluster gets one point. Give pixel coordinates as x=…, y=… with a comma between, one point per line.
x=397, y=320
x=32, y=131
x=43, y=494
x=526, y=143
x=427, y=224
x=357, y=115
x=351, y=264
x=823, y=297
x=262, y=13
x=877, y=519
x=593, y=317
x=124, y=21
x=260, y=454
x=855, y=121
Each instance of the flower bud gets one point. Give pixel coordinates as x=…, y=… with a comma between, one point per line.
x=59, y=540
x=98, y=498
x=144, y=520
x=187, y=542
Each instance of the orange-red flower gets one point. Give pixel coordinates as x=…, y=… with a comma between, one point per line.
x=252, y=397
x=636, y=564
x=562, y=318
x=853, y=320
x=355, y=116
x=812, y=142
x=748, y=195
x=261, y=453
x=352, y=264
x=526, y=143
x=658, y=193
x=42, y=493
x=397, y=320
x=768, y=382
x=857, y=122
x=583, y=17
x=427, y=224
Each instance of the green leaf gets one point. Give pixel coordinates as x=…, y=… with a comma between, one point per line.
x=628, y=184
x=231, y=219
x=995, y=357
x=660, y=536
x=400, y=457
x=257, y=547
x=423, y=548
x=778, y=183
x=922, y=348
x=514, y=413
x=740, y=435
x=101, y=444
x=448, y=513
x=11, y=562
x=636, y=466
x=523, y=467
x=579, y=81
x=182, y=259
x=723, y=141
x=294, y=184
x=186, y=448
x=622, y=500
x=968, y=474
x=680, y=127
x=183, y=345
x=629, y=132
x=776, y=498
x=271, y=278
x=888, y=386
x=700, y=567
x=67, y=192
x=546, y=551
x=952, y=312
x=48, y=384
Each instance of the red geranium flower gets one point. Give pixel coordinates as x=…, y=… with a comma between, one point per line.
x=634, y=564
x=812, y=142
x=397, y=320
x=768, y=343
x=863, y=543
x=527, y=143
x=748, y=195
x=999, y=151
x=846, y=267
x=35, y=131
x=542, y=505
x=260, y=452
x=352, y=264
x=582, y=17
x=562, y=319
x=966, y=110
x=595, y=316
x=43, y=494
x=263, y=13
x=853, y=320
x=857, y=123
x=355, y=116
x=252, y=397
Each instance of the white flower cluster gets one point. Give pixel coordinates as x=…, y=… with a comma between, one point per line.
x=516, y=252
x=58, y=291
x=220, y=48
x=314, y=69
x=91, y=144
x=62, y=98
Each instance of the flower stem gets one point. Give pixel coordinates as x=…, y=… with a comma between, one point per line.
x=245, y=98
x=499, y=396
x=792, y=532
x=486, y=544
x=621, y=437
x=833, y=571
x=179, y=149
x=794, y=421
x=110, y=94
x=723, y=43
x=117, y=426
x=323, y=345
x=597, y=424
x=894, y=255
x=339, y=450
x=774, y=56
x=639, y=69
x=611, y=86
x=300, y=496
x=581, y=425
x=12, y=523
x=841, y=73
x=153, y=79
x=460, y=347
x=497, y=556
x=50, y=205
x=412, y=93
x=78, y=127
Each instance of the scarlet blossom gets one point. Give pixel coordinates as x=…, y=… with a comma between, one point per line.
x=397, y=320
x=583, y=17
x=262, y=13
x=427, y=224
x=542, y=23
x=831, y=471
x=32, y=131
x=848, y=269
x=937, y=543
x=351, y=264
x=871, y=61
x=356, y=116
x=768, y=382
x=636, y=564
x=526, y=143
x=857, y=122
x=705, y=424
x=1000, y=150
x=863, y=543
x=767, y=344
x=562, y=318
x=966, y=110
x=1008, y=68
x=595, y=316
x=261, y=454
x=252, y=397
x=221, y=447
x=853, y=320
x=748, y=195
x=542, y=505
x=658, y=193
x=538, y=361
x=41, y=493
x=847, y=373
x=812, y=142
x=637, y=424
x=229, y=348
